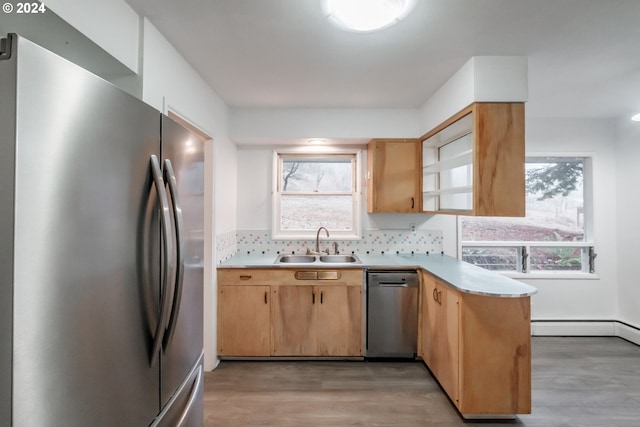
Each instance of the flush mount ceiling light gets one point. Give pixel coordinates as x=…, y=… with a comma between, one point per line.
x=366, y=15
x=316, y=141
x=636, y=118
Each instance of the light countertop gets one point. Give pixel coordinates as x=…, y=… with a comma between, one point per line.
x=461, y=275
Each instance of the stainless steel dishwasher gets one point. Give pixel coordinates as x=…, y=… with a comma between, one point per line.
x=392, y=313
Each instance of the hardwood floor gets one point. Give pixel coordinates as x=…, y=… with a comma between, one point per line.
x=577, y=381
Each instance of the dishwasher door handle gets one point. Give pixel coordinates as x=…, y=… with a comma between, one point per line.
x=391, y=285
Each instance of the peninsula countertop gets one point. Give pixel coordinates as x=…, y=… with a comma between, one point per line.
x=461, y=275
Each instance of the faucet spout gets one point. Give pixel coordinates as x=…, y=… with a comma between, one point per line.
x=318, y=238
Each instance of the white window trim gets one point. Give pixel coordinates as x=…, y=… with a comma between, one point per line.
x=277, y=233
x=590, y=159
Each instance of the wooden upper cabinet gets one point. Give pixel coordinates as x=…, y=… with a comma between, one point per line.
x=473, y=163
x=393, y=175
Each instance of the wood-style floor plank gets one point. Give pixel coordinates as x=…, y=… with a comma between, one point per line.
x=575, y=382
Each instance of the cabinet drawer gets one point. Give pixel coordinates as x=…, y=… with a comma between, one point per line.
x=246, y=276
x=290, y=276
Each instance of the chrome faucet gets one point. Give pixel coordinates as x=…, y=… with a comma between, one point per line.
x=318, y=238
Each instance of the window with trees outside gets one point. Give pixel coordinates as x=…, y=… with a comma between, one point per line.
x=554, y=237
x=313, y=191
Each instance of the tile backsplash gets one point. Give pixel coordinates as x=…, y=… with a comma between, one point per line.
x=373, y=242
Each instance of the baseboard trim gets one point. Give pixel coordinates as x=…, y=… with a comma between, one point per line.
x=590, y=328
x=628, y=332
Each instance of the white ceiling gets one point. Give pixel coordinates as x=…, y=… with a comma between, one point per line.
x=584, y=55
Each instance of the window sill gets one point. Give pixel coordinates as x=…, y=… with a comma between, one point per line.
x=551, y=275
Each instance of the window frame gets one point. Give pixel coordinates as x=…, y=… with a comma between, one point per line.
x=356, y=194
x=524, y=247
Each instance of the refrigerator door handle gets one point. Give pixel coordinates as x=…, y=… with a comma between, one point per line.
x=170, y=179
x=192, y=399
x=165, y=220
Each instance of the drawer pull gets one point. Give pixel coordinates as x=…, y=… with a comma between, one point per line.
x=329, y=275
x=306, y=275
x=245, y=276
x=437, y=296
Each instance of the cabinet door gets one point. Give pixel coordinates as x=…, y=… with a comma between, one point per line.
x=293, y=331
x=394, y=175
x=446, y=352
x=339, y=320
x=244, y=320
x=440, y=334
x=473, y=163
x=428, y=318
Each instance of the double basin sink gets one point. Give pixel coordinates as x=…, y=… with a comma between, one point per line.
x=317, y=259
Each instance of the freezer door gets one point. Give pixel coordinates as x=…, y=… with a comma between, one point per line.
x=183, y=153
x=82, y=325
x=185, y=407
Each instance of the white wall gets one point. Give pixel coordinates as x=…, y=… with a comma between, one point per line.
x=628, y=220
x=112, y=25
x=480, y=79
x=277, y=125
x=582, y=299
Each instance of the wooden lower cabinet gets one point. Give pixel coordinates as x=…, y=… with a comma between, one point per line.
x=294, y=319
x=317, y=320
x=440, y=340
x=478, y=347
x=339, y=321
x=244, y=320
x=271, y=312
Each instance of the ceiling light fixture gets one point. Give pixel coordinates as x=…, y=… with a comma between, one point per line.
x=316, y=141
x=636, y=118
x=366, y=15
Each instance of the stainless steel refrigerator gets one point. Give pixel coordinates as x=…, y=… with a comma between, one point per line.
x=101, y=252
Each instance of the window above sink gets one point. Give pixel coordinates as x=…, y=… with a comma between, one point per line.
x=316, y=189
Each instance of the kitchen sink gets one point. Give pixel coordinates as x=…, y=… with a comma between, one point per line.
x=317, y=259
x=297, y=259
x=338, y=258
